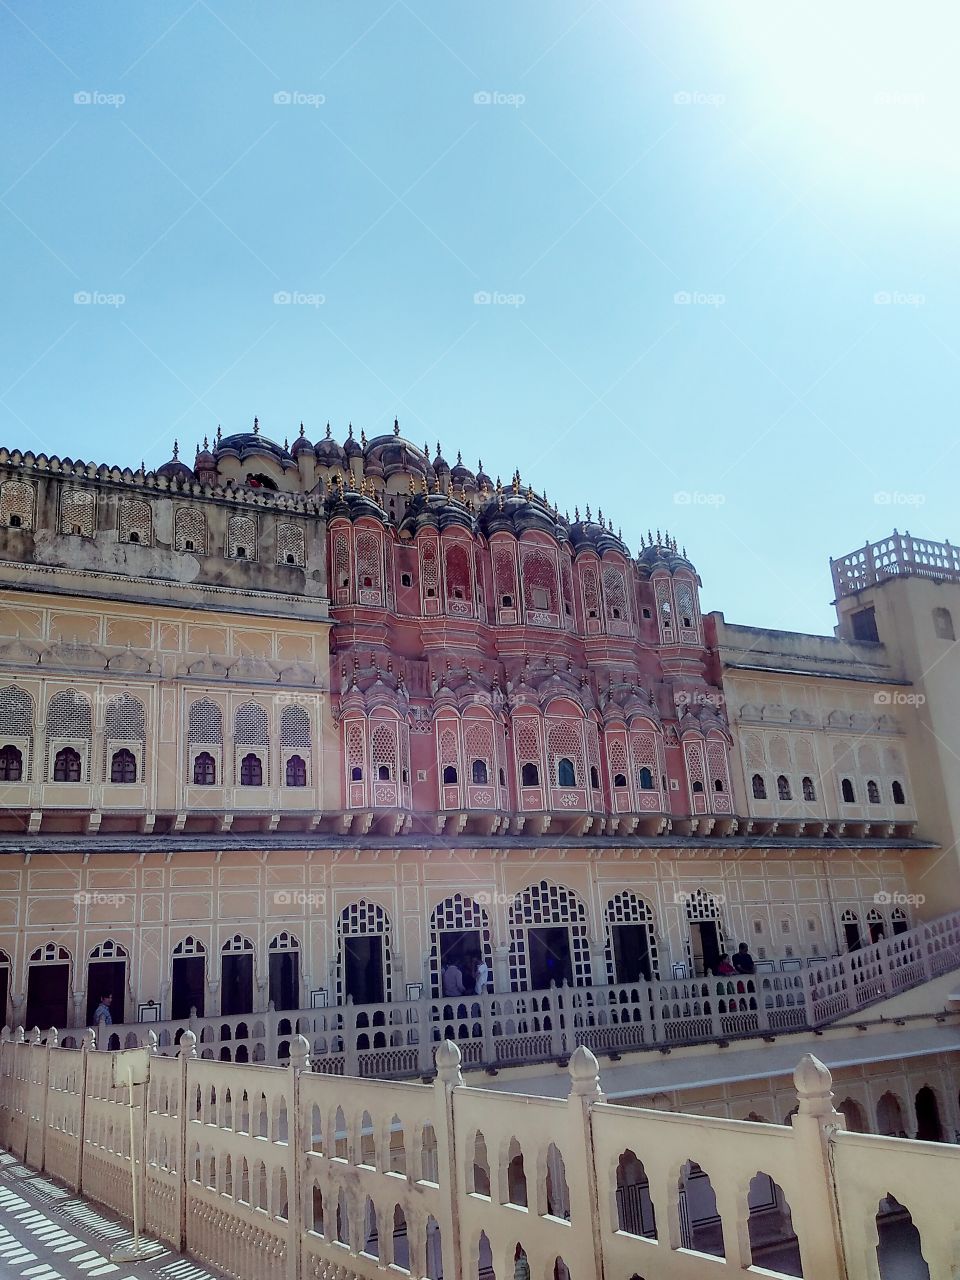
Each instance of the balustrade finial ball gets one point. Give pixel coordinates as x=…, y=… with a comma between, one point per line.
x=153, y=1044
x=37, y=1038
x=584, y=1071
x=188, y=1045
x=90, y=1038
x=53, y=1037
x=20, y=1037
x=448, y=1059
x=5, y=1035
x=300, y=1053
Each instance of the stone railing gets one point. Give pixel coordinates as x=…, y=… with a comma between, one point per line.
x=280, y=1172
x=894, y=556
x=398, y=1039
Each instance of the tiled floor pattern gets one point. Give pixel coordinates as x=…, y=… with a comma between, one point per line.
x=47, y=1233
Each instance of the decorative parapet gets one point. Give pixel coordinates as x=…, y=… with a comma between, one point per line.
x=900, y=555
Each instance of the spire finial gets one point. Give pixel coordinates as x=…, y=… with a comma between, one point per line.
x=176, y=449
x=459, y=459
x=256, y=426
x=206, y=445
x=302, y=432
x=349, y=430
x=363, y=438
x=396, y=426
x=219, y=433
x=328, y=430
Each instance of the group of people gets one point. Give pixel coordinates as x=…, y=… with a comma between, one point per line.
x=470, y=977
x=742, y=962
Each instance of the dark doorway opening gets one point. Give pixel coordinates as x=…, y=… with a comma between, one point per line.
x=851, y=932
x=900, y=925
x=363, y=969
x=285, y=979
x=876, y=930
x=236, y=984
x=47, y=992
x=929, y=1128
x=631, y=952
x=4, y=993
x=187, y=986
x=461, y=947
x=704, y=946
x=549, y=954
x=105, y=977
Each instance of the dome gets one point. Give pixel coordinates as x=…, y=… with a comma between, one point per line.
x=205, y=460
x=175, y=469
x=482, y=478
x=661, y=552
x=243, y=444
x=461, y=474
x=301, y=444
x=328, y=452
x=351, y=447
x=439, y=462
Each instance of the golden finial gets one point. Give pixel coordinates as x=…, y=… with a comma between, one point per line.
x=516, y=482
x=353, y=482
x=659, y=543
x=412, y=487
x=459, y=459
x=328, y=430
x=436, y=484
x=286, y=443
x=463, y=491
x=499, y=485
x=205, y=444
x=363, y=487
x=439, y=450
x=600, y=515
x=529, y=492
x=684, y=553
x=349, y=430
x=426, y=450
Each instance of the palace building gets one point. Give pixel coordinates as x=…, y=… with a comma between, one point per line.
x=296, y=728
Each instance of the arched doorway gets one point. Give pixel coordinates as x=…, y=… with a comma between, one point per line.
x=876, y=925
x=364, y=960
x=4, y=987
x=284, y=959
x=548, y=938
x=890, y=1121
x=459, y=930
x=106, y=976
x=48, y=987
x=236, y=976
x=631, y=941
x=188, y=974
x=705, y=942
x=850, y=923
x=854, y=1115
x=929, y=1128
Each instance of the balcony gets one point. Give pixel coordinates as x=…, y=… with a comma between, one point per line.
x=897, y=556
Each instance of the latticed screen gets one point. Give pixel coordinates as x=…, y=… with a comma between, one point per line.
x=693, y=754
x=242, y=538
x=369, y=573
x=617, y=755
x=664, y=605
x=205, y=723
x=458, y=915
x=505, y=576
x=478, y=740
x=17, y=504
x=627, y=908
x=449, y=748
x=383, y=750
x=526, y=739
x=77, y=509
x=458, y=574
x=124, y=718
x=290, y=544
x=430, y=568
x=686, y=605
x=16, y=712
x=68, y=717
x=189, y=529
x=294, y=727
x=564, y=741
x=135, y=521
x=614, y=592
x=591, y=591
x=341, y=559
x=566, y=579
x=363, y=920
x=543, y=904
x=539, y=581
x=250, y=726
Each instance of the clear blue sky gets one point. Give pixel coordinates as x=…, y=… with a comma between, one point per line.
x=782, y=164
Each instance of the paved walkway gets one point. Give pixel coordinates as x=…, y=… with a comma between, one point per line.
x=48, y=1233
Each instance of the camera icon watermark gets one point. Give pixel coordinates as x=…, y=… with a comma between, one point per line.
x=896, y=899
x=697, y=298
x=94, y=298
x=297, y=98
x=697, y=98
x=897, y=498
x=684, y=899
x=97, y=98
x=700, y=698
x=694, y=498
x=897, y=698
x=488, y=898
x=311, y=899
x=898, y=298
x=495, y=98
x=294, y=298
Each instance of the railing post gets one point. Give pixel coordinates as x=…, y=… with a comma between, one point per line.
x=448, y=1059
x=188, y=1050
x=53, y=1040
x=421, y=1011
x=821, y=1241
x=272, y=1020
x=351, y=1059
x=584, y=1092
x=487, y=1015
x=88, y=1045
x=299, y=1062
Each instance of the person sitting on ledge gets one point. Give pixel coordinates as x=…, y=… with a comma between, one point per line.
x=723, y=968
x=743, y=960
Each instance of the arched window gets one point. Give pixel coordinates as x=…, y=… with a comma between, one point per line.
x=809, y=790
x=479, y=772
x=530, y=776
x=123, y=766
x=759, y=787
x=846, y=791
x=204, y=770
x=251, y=771
x=697, y=787
x=873, y=792
x=943, y=624
x=383, y=773
x=783, y=788
x=566, y=776
x=594, y=777
x=296, y=772
x=898, y=796
x=450, y=775
x=718, y=784
x=11, y=764
x=66, y=765
x=620, y=779
x=356, y=773
x=646, y=779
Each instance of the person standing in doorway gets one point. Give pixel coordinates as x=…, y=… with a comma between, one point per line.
x=101, y=1015
x=452, y=980
x=481, y=975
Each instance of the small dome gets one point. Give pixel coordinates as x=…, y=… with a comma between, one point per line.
x=482, y=478
x=328, y=452
x=301, y=444
x=205, y=460
x=175, y=469
x=352, y=448
x=461, y=474
x=439, y=462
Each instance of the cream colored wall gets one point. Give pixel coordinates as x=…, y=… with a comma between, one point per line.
x=149, y=904
x=168, y=657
